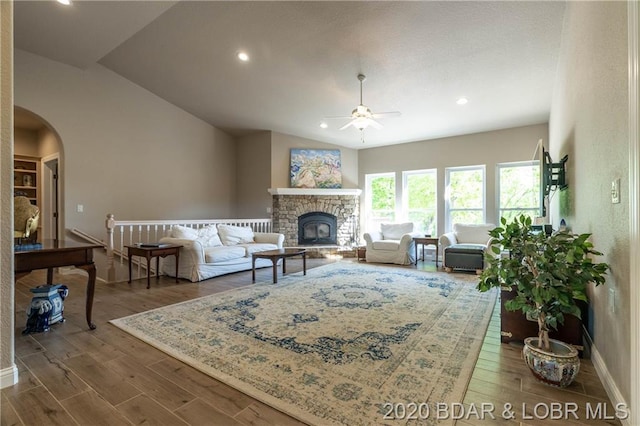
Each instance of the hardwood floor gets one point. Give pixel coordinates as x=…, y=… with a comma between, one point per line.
x=74, y=376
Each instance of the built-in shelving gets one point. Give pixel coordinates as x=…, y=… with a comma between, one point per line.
x=26, y=171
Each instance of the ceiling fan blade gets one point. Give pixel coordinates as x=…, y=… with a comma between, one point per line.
x=375, y=124
x=387, y=114
x=348, y=124
x=338, y=117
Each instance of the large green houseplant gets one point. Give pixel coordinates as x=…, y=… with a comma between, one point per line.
x=549, y=273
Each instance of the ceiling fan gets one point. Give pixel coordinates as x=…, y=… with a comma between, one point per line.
x=362, y=117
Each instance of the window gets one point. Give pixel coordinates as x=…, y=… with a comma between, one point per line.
x=380, y=199
x=464, y=195
x=518, y=189
x=419, y=200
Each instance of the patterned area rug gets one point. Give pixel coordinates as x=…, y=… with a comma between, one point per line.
x=348, y=344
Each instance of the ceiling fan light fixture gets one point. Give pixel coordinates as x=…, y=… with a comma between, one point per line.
x=361, y=123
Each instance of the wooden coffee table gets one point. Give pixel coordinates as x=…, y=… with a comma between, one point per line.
x=425, y=241
x=274, y=255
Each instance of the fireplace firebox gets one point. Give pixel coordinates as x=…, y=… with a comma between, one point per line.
x=316, y=228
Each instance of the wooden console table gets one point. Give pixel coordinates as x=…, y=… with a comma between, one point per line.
x=56, y=254
x=274, y=255
x=149, y=252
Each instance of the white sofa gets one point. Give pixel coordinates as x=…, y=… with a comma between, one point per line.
x=466, y=245
x=392, y=244
x=217, y=250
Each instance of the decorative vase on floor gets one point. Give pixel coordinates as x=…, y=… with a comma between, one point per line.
x=557, y=367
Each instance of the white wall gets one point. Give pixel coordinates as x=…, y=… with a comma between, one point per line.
x=126, y=151
x=488, y=148
x=589, y=122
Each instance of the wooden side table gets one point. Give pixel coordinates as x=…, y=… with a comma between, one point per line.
x=361, y=253
x=425, y=241
x=149, y=252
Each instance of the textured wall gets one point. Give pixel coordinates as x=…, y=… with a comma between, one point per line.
x=6, y=193
x=589, y=122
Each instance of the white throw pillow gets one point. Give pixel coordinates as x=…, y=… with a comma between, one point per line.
x=471, y=233
x=395, y=231
x=208, y=236
x=183, y=232
x=232, y=235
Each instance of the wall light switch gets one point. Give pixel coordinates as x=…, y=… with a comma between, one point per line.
x=268, y=209
x=615, y=191
x=80, y=208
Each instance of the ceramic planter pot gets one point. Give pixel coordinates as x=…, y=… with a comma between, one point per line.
x=558, y=366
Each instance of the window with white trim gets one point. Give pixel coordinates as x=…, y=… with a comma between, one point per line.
x=518, y=189
x=380, y=199
x=419, y=201
x=464, y=195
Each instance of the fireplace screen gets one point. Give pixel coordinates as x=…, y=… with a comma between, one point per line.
x=317, y=228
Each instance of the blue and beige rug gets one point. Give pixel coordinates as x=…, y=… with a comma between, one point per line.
x=337, y=346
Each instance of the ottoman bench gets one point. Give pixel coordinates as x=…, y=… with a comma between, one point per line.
x=469, y=257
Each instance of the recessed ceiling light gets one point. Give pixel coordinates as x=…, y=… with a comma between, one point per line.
x=243, y=56
x=462, y=101
x=324, y=125
x=65, y=2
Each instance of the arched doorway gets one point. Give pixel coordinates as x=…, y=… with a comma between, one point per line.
x=35, y=138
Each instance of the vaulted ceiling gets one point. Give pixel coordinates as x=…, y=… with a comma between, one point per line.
x=419, y=58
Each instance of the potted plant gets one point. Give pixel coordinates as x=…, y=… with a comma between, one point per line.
x=549, y=274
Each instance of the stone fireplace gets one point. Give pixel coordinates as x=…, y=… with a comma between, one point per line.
x=330, y=217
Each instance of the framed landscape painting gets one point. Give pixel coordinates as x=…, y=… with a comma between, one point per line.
x=315, y=168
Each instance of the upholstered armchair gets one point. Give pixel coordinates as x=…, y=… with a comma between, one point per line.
x=25, y=219
x=392, y=244
x=465, y=246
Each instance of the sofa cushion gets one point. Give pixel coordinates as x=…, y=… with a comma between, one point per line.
x=386, y=245
x=208, y=236
x=255, y=247
x=223, y=253
x=183, y=232
x=233, y=235
x=466, y=248
x=475, y=234
x=395, y=231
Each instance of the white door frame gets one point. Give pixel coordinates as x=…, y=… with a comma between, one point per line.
x=49, y=197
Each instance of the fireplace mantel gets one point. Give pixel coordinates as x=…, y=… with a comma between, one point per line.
x=315, y=191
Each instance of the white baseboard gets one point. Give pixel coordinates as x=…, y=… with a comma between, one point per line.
x=8, y=376
x=607, y=381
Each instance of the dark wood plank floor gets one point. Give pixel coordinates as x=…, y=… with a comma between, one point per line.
x=73, y=376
